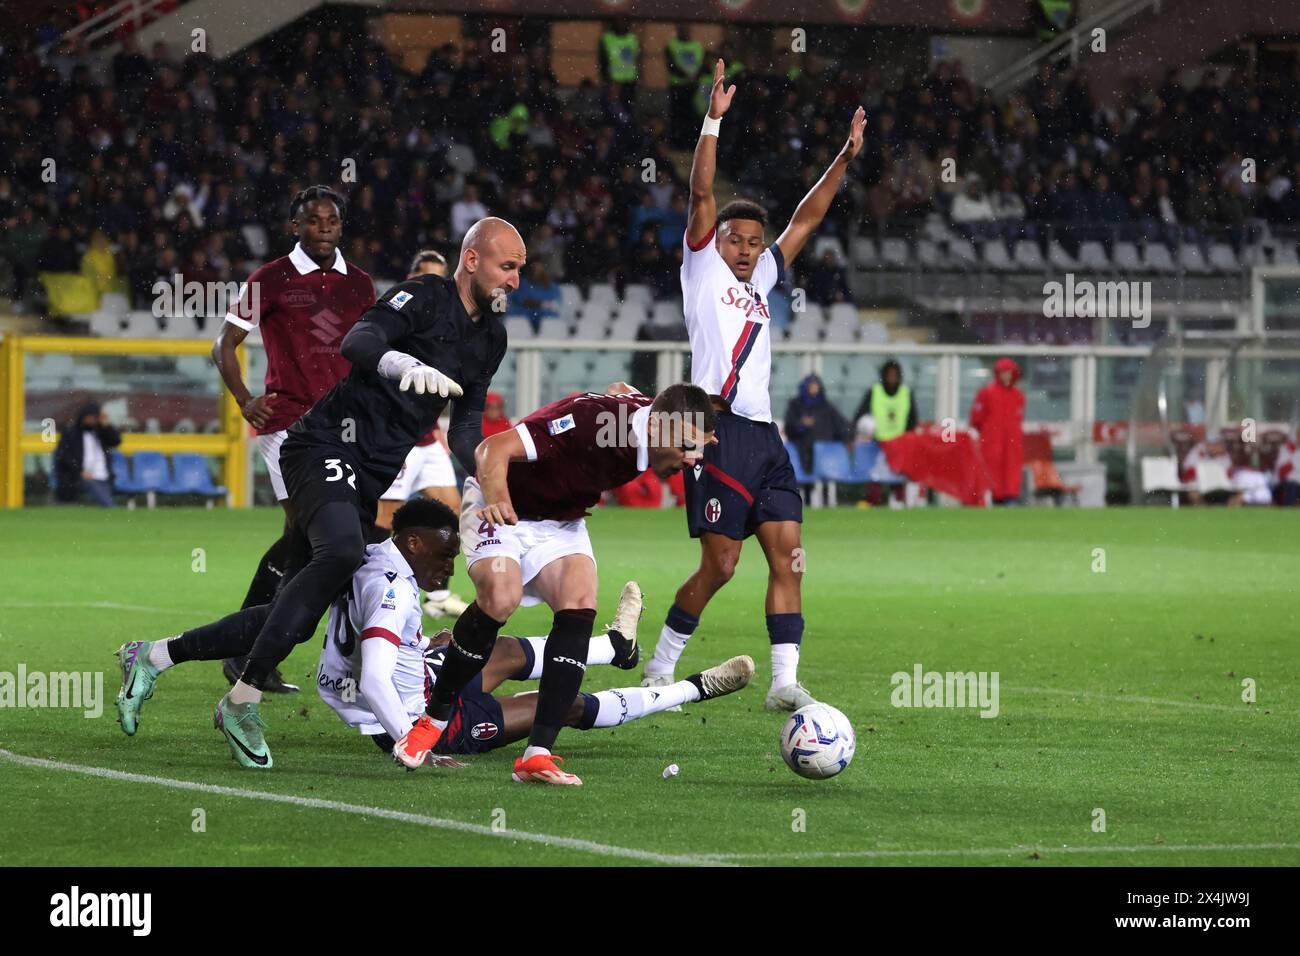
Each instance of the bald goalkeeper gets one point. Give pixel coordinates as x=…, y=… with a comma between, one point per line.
x=427, y=341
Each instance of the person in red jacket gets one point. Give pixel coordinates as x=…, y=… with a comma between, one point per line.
x=494, y=415
x=998, y=414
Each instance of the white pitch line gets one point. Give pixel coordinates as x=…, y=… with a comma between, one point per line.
x=568, y=843
x=1001, y=851
x=97, y=606
x=1133, y=699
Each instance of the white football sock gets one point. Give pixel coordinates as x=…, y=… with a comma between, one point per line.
x=243, y=693
x=531, y=752
x=667, y=652
x=630, y=703
x=600, y=650
x=538, y=644
x=438, y=596
x=785, y=664
x=159, y=655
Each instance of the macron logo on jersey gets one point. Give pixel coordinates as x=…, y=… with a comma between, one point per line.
x=557, y=425
x=400, y=299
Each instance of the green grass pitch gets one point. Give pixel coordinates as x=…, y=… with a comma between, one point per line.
x=1120, y=691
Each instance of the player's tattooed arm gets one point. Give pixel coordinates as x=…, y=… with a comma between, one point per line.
x=256, y=411
x=493, y=458
x=813, y=208
x=702, y=210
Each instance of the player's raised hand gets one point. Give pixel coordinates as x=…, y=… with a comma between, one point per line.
x=257, y=411
x=426, y=380
x=720, y=98
x=856, y=129
x=503, y=512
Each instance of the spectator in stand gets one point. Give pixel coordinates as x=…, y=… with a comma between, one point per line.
x=972, y=213
x=538, y=297
x=99, y=265
x=1286, y=475
x=1211, y=450
x=826, y=281
x=81, y=464
x=998, y=414
x=494, y=415
x=465, y=212
x=810, y=418
x=1008, y=209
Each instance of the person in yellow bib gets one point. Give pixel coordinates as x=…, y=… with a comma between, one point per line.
x=889, y=403
x=620, y=59
x=685, y=57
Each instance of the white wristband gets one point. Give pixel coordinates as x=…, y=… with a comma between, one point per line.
x=711, y=125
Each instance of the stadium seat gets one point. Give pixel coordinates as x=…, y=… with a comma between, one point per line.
x=831, y=244
x=1058, y=258
x=1190, y=259
x=812, y=312
x=894, y=254
x=255, y=236
x=570, y=297
x=927, y=254
x=123, y=480
x=1092, y=255
x=625, y=328
x=870, y=465
x=605, y=294
x=518, y=329
x=1156, y=258
x=1223, y=259
x=864, y=253
x=842, y=329
x=1126, y=257
x=996, y=257
x=805, y=330
x=831, y=461
x=1029, y=256
x=667, y=313
x=553, y=330
x=106, y=324
x=1284, y=254
x=152, y=475
x=962, y=255
x=641, y=294
x=1160, y=474
x=141, y=325
x=592, y=327
x=637, y=309
x=190, y=475
x=874, y=332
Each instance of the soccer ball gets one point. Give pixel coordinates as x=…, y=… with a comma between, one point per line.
x=818, y=741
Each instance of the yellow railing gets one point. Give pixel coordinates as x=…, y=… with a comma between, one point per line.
x=230, y=444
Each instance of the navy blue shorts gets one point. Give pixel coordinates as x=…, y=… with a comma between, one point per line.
x=744, y=480
x=476, y=725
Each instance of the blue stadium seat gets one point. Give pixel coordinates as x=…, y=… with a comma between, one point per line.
x=831, y=462
x=123, y=480
x=190, y=475
x=151, y=472
x=865, y=454
x=800, y=476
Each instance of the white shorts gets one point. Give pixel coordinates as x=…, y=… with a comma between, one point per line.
x=426, y=466
x=530, y=544
x=269, y=446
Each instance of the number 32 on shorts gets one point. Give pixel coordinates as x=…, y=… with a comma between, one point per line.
x=334, y=472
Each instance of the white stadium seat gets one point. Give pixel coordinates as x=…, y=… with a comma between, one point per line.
x=518, y=329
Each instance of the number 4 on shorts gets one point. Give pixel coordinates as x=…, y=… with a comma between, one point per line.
x=334, y=472
x=487, y=530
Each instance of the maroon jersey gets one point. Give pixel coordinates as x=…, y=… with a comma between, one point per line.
x=578, y=448
x=303, y=311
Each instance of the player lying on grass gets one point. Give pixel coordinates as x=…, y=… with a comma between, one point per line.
x=377, y=670
x=524, y=537
x=374, y=630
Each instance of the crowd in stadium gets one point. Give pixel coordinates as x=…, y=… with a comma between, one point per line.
x=159, y=171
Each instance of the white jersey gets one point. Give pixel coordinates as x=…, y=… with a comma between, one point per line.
x=382, y=603
x=731, y=347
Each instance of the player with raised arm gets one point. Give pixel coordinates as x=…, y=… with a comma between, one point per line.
x=409, y=354
x=525, y=541
x=303, y=304
x=745, y=485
